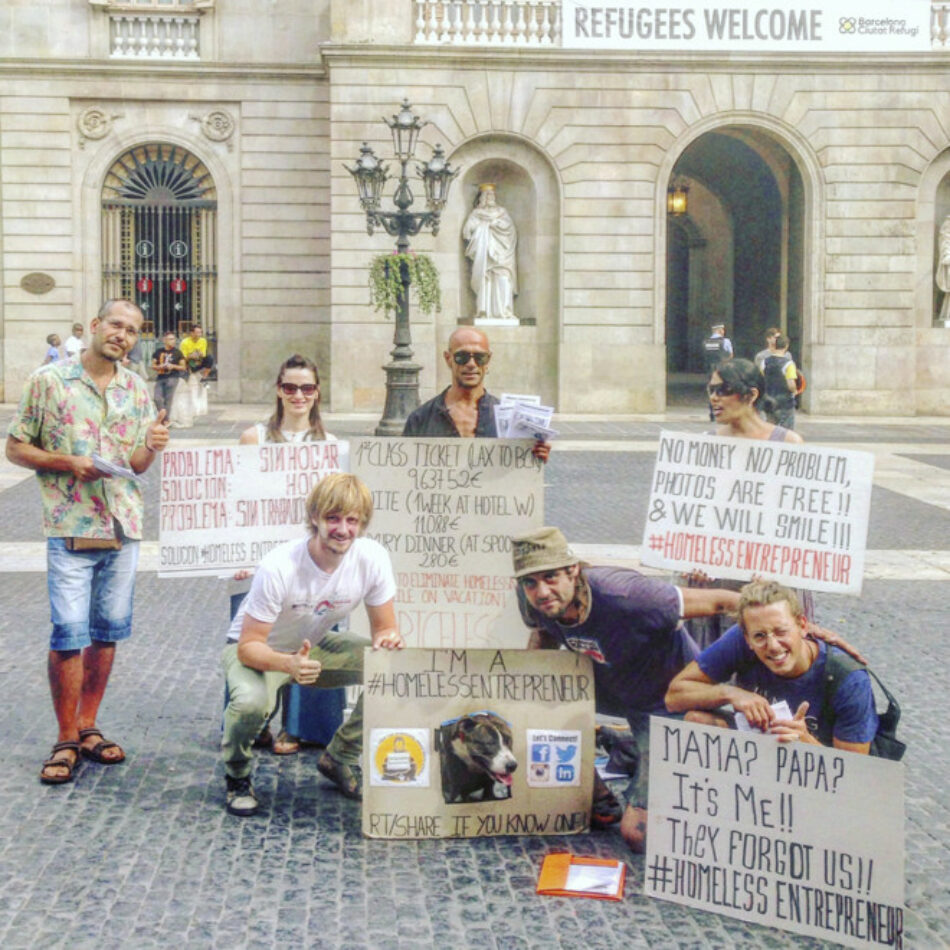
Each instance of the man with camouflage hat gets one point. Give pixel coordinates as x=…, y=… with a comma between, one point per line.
x=630, y=626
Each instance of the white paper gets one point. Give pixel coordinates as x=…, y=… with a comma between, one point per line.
x=531, y=422
x=110, y=468
x=597, y=878
x=521, y=399
x=503, y=416
x=780, y=709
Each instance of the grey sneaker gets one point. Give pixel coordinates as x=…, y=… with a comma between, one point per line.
x=241, y=798
x=347, y=778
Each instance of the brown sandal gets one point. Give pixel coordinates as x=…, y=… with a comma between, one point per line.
x=285, y=744
x=60, y=761
x=96, y=752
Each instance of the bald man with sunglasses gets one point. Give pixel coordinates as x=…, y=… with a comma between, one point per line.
x=465, y=409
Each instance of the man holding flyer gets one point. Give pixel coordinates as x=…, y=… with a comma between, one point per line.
x=465, y=409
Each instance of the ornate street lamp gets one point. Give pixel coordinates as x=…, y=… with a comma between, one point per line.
x=402, y=374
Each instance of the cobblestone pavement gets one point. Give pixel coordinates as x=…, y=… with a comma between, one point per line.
x=143, y=854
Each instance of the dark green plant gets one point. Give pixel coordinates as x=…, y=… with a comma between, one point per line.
x=385, y=282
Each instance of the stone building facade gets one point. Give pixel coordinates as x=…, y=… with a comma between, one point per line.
x=817, y=185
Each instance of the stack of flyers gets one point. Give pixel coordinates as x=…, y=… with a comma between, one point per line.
x=520, y=416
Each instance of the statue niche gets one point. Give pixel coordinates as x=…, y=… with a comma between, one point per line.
x=491, y=245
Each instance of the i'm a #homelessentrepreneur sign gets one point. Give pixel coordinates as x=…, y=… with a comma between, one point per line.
x=476, y=743
x=769, y=26
x=735, y=508
x=796, y=836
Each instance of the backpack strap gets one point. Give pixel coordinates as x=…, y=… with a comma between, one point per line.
x=838, y=665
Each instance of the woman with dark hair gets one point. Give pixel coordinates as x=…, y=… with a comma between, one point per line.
x=736, y=392
x=296, y=418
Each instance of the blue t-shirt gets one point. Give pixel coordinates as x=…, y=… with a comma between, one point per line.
x=854, y=717
x=632, y=633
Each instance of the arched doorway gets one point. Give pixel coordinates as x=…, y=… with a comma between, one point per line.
x=158, y=238
x=736, y=255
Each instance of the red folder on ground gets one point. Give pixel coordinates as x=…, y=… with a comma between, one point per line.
x=568, y=875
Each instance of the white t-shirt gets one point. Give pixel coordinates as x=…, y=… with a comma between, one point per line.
x=303, y=602
x=302, y=436
x=73, y=346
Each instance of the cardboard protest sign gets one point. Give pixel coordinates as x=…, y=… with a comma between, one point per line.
x=791, y=835
x=223, y=508
x=475, y=743
x=797, y=514
x=446, y=510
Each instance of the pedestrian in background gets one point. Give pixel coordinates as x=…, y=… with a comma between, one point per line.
x=53, y=352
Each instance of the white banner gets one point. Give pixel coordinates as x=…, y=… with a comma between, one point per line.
x=446, y=510
x=223, y=508
x=771, y=26
x=738, y=507
x=802, y=837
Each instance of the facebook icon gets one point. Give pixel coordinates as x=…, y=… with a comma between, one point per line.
x=540, y=753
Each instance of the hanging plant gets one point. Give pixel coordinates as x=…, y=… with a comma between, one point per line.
x=385, y=282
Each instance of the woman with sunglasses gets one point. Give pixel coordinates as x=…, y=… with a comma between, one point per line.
x=296, y=418
x=736, y=391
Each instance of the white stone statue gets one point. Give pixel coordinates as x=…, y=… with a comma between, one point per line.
x=492, y=241
x=943, y=267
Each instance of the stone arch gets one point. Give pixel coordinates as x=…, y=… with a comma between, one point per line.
x=525, y=356
x=92, y=174
x=778, y=147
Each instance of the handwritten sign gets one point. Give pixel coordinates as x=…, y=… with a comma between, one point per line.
x=737, y=507
x=223, y=508
x=476, y=743
x=801, y=837
x=446, y=510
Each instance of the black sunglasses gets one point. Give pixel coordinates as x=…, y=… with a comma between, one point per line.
x=288, y=389
x=463, y=356
x=720, y=389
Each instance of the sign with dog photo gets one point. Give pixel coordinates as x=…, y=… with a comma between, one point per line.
x=475, y=743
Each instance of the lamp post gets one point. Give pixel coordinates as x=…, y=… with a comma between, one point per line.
x=402, y=374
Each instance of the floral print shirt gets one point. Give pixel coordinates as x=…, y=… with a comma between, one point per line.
x=61, y=410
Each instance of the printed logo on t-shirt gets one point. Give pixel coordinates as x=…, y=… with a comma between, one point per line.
x=327, y=606
x=321, y=609
x=588, y=646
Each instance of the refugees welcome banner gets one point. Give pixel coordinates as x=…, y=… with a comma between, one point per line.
x=772, y=26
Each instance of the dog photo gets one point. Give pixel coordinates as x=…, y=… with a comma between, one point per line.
x=476, y=758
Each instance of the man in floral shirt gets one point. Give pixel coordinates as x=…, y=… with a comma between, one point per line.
x=73, y=417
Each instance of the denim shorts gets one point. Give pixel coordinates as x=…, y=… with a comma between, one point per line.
x=90, y=593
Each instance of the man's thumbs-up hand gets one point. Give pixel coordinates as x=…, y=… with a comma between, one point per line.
x=303, y=670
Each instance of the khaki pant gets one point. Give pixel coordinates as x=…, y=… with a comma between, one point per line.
x=252, y=696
